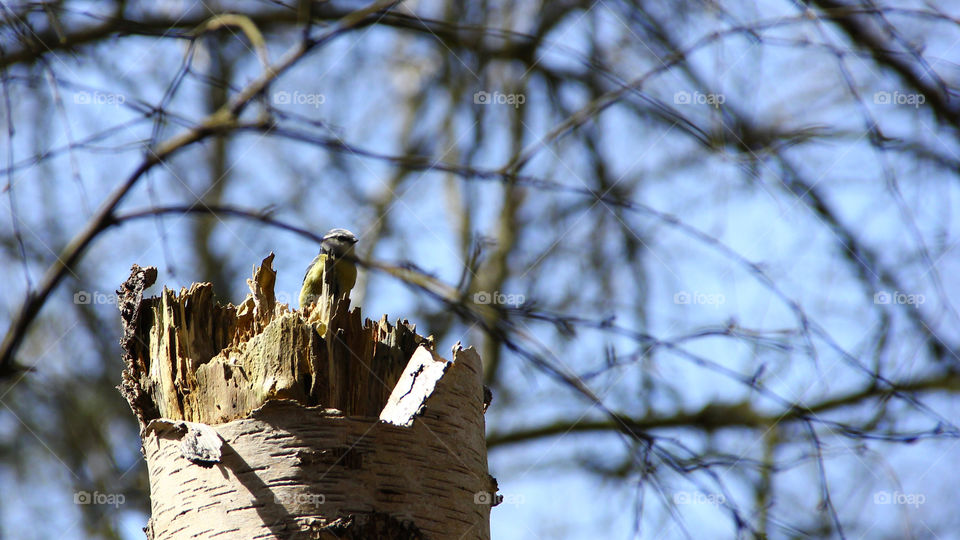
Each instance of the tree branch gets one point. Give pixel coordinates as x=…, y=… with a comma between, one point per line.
x=715, y=417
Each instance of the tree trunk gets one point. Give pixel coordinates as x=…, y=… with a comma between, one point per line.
x=261, y=422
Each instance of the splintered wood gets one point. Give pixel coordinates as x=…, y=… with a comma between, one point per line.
x=350, y=428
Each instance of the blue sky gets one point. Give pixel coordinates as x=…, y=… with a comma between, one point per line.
x=365, y=90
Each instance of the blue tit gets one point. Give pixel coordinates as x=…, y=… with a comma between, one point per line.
x=336, y=244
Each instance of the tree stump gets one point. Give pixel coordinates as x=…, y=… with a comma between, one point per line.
x=262, y=422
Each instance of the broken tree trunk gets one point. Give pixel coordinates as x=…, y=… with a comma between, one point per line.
x=261, y=422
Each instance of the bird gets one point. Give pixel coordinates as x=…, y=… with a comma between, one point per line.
x=332, y=274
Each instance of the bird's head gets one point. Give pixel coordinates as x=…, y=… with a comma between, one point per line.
x=338, y=242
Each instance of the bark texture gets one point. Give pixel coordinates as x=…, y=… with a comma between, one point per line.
x=261, y=422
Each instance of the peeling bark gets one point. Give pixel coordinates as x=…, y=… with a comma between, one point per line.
x=259, y=422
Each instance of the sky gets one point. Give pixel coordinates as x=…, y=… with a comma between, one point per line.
x=692, y=281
